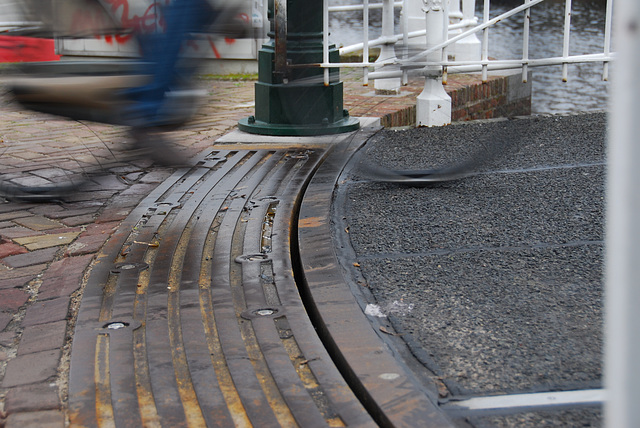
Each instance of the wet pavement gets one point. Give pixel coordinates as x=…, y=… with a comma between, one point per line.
x=496, y=279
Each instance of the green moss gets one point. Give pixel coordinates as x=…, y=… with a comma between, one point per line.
x=230, y=77
x=374, y=53
x=5, y=66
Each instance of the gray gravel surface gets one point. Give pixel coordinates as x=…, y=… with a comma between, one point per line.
x=500, y=274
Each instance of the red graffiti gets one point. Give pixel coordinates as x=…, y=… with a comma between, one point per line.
x=92, y=21
x=213, y=48
x=148, y=22
x=88, y=21
x=193, y=45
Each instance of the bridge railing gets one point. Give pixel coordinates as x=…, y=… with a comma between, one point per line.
x=452, y=40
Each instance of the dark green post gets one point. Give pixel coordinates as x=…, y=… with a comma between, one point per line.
x=291, y=95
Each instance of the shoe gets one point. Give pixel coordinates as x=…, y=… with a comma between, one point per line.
x=150, y=142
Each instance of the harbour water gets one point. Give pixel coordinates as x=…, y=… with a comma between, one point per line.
x=583, y=91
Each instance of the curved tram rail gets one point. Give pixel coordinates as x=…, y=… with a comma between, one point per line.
x=204, y=310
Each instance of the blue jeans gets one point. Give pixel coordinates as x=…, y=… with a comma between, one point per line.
x=161, y=58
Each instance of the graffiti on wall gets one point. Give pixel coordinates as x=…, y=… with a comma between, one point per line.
x=125, y=15
x=112, y=23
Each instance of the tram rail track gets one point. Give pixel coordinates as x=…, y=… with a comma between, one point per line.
x=219, y=302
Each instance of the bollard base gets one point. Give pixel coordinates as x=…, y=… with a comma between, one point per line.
x=253, y=126
x=433, y=105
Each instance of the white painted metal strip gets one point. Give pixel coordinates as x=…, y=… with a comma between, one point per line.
x=525, y=43
x=325, y=39
x=565, y=43
x=539, y=399
x=485, y=39
x=356, y=7
x=365, y=48
x=607, y=38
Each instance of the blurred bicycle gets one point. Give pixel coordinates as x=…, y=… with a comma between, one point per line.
x=146, y=94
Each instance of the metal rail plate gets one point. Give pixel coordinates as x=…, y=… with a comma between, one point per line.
x=191, y=316
x=219, y=302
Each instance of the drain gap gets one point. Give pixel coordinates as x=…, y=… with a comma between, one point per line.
x=308, y=379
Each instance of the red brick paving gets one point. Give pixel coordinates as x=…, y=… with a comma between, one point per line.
x=32, y=258
x=18, y=232
x=32, y=368
x=63, y=277
x=15, y=282
x=7, y=338
x=8, y=248
x=6, y=273
x=92, y=239
x=42, y=337
x=48, y=311
x=39, y=396
x=11, y=299
x=40, y=419
x=5, y=318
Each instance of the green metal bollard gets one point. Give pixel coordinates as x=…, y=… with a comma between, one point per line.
x=291, y=96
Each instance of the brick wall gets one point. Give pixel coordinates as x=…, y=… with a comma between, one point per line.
x=471, y=99
x=500, y=96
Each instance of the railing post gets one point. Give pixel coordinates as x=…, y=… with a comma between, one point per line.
x=468, y=49
x=433, y=107
x=415, y=22
x=389, y=86
x=622, y=271
x=455, y=12
x=455, y=17
x=292, y=96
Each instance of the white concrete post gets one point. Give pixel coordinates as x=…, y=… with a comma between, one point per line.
x=455, y=17
x=622, y=296
x=389, y=86
x=415, y=22
x=455, y=13
x=433, y=107
x=468, y=49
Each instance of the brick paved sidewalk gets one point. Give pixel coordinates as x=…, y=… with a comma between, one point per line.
x=47, y=249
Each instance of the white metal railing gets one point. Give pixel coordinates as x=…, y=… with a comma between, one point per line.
x=353, y=7
x=460, y=25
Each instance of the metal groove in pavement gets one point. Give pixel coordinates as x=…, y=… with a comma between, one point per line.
x=192, y=314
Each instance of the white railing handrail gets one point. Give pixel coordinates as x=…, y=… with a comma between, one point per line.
x=485, y=63
x=356, y=7
x=462, y=28
x=452, y=40
x=381, y=41
x=607, y=37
